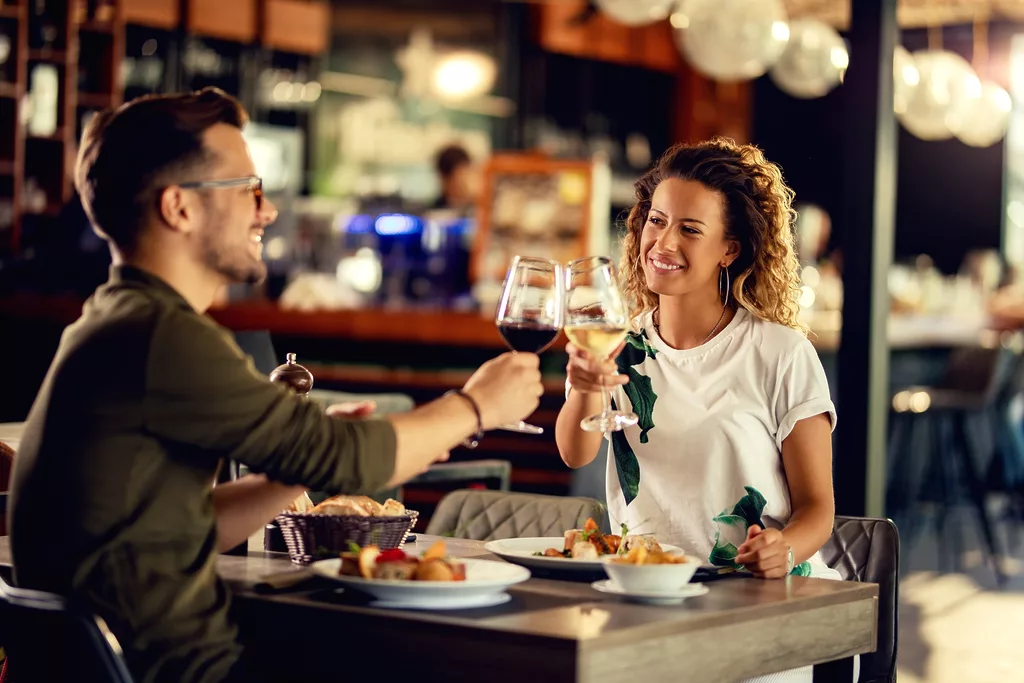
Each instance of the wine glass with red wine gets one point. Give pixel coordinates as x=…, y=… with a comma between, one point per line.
x=530, y=312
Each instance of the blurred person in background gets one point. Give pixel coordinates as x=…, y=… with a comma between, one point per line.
x=113, y=499
x=459, y=179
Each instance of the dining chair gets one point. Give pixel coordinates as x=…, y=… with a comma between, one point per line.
x=867, y=549
x=483, y=515
x=6, y=467
x=935, y=456
x=49, y=639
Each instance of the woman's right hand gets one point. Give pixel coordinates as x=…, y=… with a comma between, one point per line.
x=589, y=375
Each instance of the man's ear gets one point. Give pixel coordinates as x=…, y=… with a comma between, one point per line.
x=177, y=209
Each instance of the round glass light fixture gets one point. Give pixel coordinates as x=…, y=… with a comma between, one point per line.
x=813, y=62
x=636, y=12
x=731, y=40
x=987, y=118
x=943, y=96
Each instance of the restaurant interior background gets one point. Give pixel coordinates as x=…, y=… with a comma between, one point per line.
x=561, y=105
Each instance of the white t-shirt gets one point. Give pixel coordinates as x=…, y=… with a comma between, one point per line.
x=705, y=460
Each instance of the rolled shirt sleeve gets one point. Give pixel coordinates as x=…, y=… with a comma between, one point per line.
x=801, y=391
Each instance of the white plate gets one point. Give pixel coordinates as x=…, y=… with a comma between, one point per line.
x=691, y=590
x=521, y=551
x=485, y=580
x=451, y=602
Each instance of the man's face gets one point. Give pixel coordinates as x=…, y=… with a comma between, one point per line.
x=229, y=231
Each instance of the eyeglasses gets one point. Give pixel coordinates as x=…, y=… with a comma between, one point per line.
x=255, y=184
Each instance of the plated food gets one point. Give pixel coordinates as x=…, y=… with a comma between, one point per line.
x=431, y=581
x=589, y=543
x=371, y=562
x=579, y=551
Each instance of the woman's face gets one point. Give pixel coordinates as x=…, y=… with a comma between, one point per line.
x=684, y=244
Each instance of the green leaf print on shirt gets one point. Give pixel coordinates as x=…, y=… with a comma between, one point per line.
x=733, y=526
x=640, y=343
x=639, y=389
x=750, y=507
x=641, y=395
x=802, y=569
x=626, y=466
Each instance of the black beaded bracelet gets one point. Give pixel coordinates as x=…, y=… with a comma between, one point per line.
x=474, y=440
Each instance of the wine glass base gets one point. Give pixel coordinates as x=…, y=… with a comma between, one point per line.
x=612, y=421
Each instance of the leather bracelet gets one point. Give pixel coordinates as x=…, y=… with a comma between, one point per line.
x=474, y=440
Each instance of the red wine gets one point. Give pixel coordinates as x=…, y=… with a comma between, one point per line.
x=527, y=337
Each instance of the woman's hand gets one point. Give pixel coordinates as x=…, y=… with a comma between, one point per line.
x=765, y=553
x=589, y=375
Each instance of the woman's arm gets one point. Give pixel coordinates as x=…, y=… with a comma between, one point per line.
x=586, y=377
x=577, y=447
x=807, y=459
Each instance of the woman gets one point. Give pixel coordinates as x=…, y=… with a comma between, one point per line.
x=732, y=457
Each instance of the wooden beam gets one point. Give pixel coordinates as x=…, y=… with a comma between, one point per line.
x=867, y=226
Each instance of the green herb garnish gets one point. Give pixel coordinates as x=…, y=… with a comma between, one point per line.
x=622, y=539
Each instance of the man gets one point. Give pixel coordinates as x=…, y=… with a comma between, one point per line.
x=459, y=179
x=113, y=499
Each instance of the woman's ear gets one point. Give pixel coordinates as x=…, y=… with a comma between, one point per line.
x=732, y=252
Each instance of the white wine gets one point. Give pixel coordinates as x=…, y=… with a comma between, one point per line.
x=597, y=339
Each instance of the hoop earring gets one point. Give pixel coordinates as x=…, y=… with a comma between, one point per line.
x=636, y=267
x=726, y=291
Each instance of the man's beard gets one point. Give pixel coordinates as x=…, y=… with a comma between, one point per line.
x=234, y=263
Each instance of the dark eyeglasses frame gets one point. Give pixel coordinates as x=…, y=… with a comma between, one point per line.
x=254, y=182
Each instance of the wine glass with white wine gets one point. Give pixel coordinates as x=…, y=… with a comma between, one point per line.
x=596, y=321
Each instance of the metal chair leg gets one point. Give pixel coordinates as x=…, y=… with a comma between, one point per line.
x=977, y=489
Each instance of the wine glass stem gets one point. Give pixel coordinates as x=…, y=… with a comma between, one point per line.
x=607, y=399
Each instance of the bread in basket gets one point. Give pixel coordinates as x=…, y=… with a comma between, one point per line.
x=325, y=530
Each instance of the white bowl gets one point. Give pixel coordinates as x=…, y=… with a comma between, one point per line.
x=650, y=578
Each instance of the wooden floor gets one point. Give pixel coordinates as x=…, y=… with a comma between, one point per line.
x=956, y=627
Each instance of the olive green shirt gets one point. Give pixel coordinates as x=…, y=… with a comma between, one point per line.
x=111, y=499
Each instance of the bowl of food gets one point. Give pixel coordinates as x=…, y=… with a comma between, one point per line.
x=650, y=571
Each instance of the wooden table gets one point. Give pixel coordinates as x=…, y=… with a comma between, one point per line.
x=554, y=630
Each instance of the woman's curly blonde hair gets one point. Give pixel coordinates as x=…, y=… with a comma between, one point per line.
x=759, y=214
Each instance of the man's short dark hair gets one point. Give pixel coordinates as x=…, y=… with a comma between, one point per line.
x=450, y=158
x=129, y=154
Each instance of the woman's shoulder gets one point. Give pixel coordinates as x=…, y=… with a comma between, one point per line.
x=775, y=341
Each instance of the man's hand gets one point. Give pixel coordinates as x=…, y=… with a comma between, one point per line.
x=506, y=389
x=352, y=409
x=765, y=553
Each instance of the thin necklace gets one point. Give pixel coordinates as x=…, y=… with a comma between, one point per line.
x=657, y=325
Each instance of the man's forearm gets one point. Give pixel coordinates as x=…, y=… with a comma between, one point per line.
x=423, y=434
x=246, y=505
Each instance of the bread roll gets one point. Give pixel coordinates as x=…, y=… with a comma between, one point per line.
x=300, y=504
x=343, y=508
x=392, y=508
x=343, y=505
